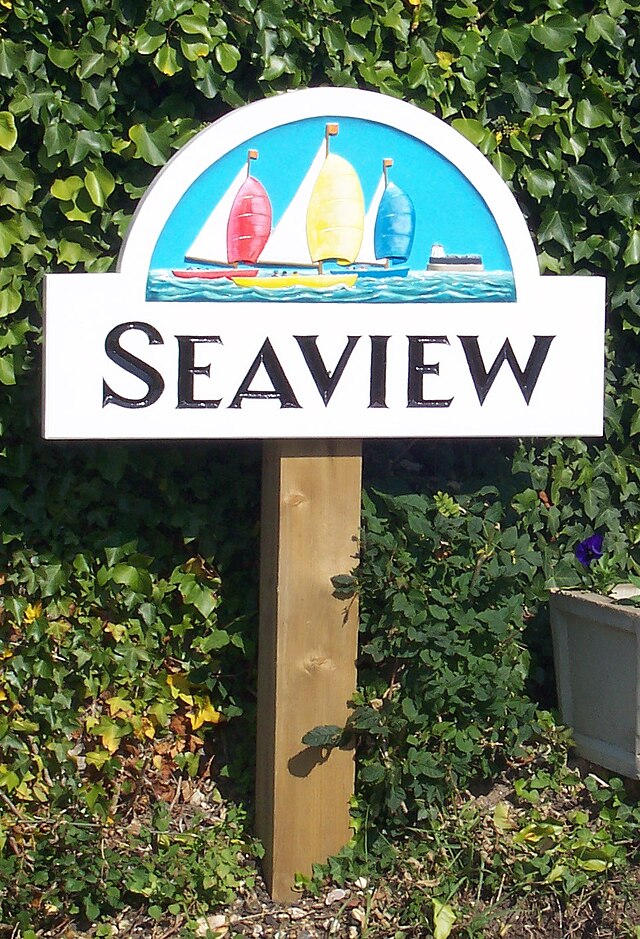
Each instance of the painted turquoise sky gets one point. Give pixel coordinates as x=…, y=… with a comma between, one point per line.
x=448, y=208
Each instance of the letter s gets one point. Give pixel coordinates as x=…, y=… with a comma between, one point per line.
x=135, y=366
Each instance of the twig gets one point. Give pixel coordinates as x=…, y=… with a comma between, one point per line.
x=9, y=804
x=177, y=795
x=173, y=929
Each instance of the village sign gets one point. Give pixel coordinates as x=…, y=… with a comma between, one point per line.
x=324, y=263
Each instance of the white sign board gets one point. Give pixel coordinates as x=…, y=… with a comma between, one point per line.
x=324, y=263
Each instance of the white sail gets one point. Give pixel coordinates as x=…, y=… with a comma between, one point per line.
x=287, y=245
x=210, y=245
x=367, y=253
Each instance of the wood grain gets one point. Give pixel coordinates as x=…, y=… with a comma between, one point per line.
x=308, y=646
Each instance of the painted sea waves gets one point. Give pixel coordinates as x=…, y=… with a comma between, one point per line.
x=419, y=287
x=327, y=242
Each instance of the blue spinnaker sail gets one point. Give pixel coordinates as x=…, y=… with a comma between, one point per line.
x=395, y=225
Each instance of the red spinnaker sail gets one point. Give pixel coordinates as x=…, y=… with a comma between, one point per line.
x=249, y=224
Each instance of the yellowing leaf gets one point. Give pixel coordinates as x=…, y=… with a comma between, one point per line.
x=166, y=60
x=24, y=792
x=205, y=713
x=443, y=919
x=67, y=189
x=117, y=630
x=147, y=728
x=97, y=758
x=597, y=865
x=40, y=792
x=556, y=873
x=8, y=132
x=58, y=629
x=501, y=817
x=119, y=707
x=110, y=738
x=180, y=686
x=32, y=612
x=445, y=59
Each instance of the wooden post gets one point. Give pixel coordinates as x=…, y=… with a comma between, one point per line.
x=308, y=645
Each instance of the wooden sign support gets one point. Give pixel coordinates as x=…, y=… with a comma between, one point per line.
x=308, y=645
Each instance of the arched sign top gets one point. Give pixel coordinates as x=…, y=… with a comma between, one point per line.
x=239, y=198
x=326, y=263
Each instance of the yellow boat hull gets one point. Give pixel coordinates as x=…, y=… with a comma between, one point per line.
x=313, y=281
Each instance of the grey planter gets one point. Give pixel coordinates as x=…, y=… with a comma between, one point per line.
x=596, y=644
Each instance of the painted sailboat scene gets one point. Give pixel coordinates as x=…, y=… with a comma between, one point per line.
x=331, y=211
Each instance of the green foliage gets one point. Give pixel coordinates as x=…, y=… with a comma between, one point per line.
x=75, y=867
x=443, y=665
x=544, y=833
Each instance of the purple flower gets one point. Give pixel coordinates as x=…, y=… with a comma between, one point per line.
x=590, y=549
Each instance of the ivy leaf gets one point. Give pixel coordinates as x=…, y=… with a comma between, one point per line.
x=470, y=128
x=166, y=61
x=192, y=51
x=7, y=370
x=66, y=189
x=556, y=33
x=325, y=736
x=204, y=713
x=601, y=26
x=83, y=143
x=151, y=147
x=504, y=164
x=632, y=251
x=8, y=131
x=511, y=42
x=99, y=184
x=10, y=301
x=57, y=137
x=227, y=57
x=555, y=227
x=594, y=111
x=540, y=183
x=61, y=57
x=596, y=497
x=361, y=26
x=12, y=57
x=195, y=26
x=372, y=773
x=149, y=38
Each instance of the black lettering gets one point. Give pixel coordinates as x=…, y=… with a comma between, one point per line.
x=187, y=369
x=281, y=387
x=378, y=379
x=418, y=368
x=135, y=366
x=526, y=379
x=325, y=381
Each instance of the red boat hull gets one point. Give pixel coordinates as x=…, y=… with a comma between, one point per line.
x=214, y=275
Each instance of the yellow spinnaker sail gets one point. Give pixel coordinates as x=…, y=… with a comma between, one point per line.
x=335, y=216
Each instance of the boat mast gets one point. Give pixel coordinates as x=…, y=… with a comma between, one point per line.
x=331, y=130
x=251, y=155
x=386, y=164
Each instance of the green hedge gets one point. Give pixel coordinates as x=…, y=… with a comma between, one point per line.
x=128, y=572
